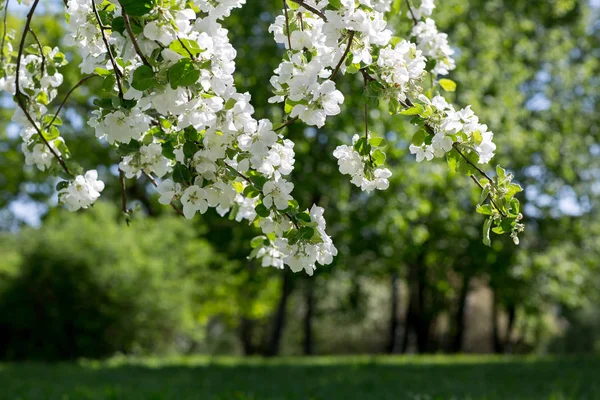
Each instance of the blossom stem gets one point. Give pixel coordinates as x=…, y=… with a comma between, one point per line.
x=173, y=206
x=412, y=14
x=3, y=33
x=339, y=65
x=287, y=24
x=118, y=73
x=286, y=123
x=20, y=96
x=81, y=82
x=311, y=9
x=124, y=208
x=132, y=37
x=244, y=177
x=37, y=41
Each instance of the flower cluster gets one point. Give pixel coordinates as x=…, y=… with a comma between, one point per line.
x=360, y=161
x=82, y=192
x=434, y=46
x=448, y=127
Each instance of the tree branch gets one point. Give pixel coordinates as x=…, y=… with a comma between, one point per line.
x=20, y=96
x=311, y=9
x=339, y=65
x=81, y=82
x=287, y=24
x=118, y=73
x=123, y=195
x=132, y=37
x=41, y=50
x=412, y=14
x=3, y=33
x=173, y=206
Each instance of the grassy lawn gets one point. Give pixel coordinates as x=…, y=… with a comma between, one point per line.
x=327, y=378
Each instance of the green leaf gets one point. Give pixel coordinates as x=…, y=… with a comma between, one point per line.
x=378, y=157
x=185, y=47
x=262, y=211
x=485, y=209
x=377, y=142
x=181, y=173
x=486, y=232
x=128, y=148
x=484, y=194
x=118, y=24
x=62, y=185
x=183, y=73
x=448, y=85
x=143, y=78
x=306, y=232
x=189, y=149
x=51, y=134
x=257, y=241
x=238, y=186
x=362, y=146
x=137, y=8
x=251, y=192
x=419, y=137
x=415, y=110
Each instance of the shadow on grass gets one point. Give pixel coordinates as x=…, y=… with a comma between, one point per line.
x=344, y=379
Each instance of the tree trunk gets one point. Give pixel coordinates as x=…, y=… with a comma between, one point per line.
x=512, y=313
x=280, y=315
x=495, y=336
x=459, y=318
x=422, y=318
x=309, y=300
x=408, y=321
x=391, y=346
x=246, y=333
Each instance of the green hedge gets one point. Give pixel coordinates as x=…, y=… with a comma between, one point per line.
x=86, y=285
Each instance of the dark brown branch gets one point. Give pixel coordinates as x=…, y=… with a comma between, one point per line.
x=81, y=82
x=173, y=206
x=132, y=37
x=287, y=24
x=20, y=96
x=118, y=73
x=286, y=123
x=348, y=45
x=185, y=47
x=412, y=14
x=41, y=50
x=311, y=9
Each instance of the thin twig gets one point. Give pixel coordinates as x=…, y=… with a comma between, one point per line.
x=19, y=95
x=185, y=47
x=348, y=45
x=118, y=73
x=81, y=82
x=173, y=206
x=132, y=37
x=311, y=9
x=286, y=123
x=287, y=24
x=41, y=50
x=411, y=12
x=482, y=172
x=244, y=177
x=123, y=194
x=4, y=32
x=365, y=82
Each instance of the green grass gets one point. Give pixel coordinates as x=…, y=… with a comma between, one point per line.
x=327, y=378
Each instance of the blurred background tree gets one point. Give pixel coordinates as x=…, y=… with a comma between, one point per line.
x=412, y=274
